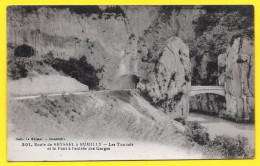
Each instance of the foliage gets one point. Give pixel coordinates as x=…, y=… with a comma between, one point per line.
x=81, y=10
x=115, y=9
x=20, y=62
x=222, y=146
x=232, y=17
x=205, y=22
x=79, y=69
x=181, y=120
x=87, y=10
x=19, y=67
x=197, y=133
x=215, y=29
x=166, y=12
x=229, y=147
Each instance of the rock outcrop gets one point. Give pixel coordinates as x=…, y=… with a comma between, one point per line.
x=168, y=84
x=237, y=75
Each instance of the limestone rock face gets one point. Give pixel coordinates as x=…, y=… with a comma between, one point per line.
x=65, y=34
x=184, y=20
x=237, y=67
x=168, y=84
x=106, y=40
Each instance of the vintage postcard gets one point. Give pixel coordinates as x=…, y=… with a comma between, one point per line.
x=130, y=82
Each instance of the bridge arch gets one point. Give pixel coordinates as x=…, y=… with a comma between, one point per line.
x=195, y=90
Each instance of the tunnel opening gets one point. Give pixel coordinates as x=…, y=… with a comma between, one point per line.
x=24, y=51
x=128, y=81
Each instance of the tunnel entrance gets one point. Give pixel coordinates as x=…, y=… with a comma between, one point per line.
x=24, y=51
x=128, y=81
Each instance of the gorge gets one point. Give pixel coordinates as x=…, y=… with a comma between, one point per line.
x=160, y=50
x=155, y=75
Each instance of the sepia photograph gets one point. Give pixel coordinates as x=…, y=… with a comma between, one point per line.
x=129, y=82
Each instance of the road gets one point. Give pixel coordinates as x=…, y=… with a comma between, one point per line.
x=193, y=91
x=60, y=94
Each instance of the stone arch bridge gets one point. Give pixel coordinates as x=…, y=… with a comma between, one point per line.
x=195, y=90
x=129, y=81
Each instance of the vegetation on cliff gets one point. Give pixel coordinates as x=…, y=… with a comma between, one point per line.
x=215, y=30
x=79, y=69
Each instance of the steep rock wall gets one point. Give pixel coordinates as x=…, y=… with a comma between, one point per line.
x=237, y=75
x=66, y=34
x=168, y=85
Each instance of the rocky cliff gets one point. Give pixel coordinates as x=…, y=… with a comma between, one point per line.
x=123, y=44
x=237, y=75
x=167, y=85
x=214, y=62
